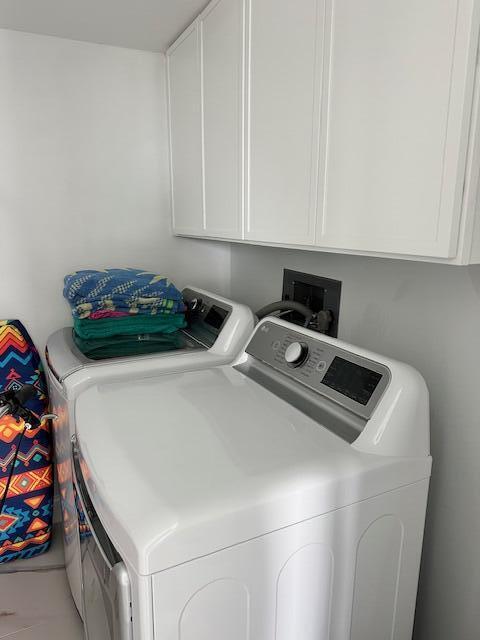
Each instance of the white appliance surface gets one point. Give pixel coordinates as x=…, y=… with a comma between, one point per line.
x=281, y=496
x=224, y=343
x=183, y=465
x=69, y=373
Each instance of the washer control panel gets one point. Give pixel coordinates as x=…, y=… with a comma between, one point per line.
x=355, y=382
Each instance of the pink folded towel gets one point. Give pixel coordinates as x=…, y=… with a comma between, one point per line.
x=99, y=315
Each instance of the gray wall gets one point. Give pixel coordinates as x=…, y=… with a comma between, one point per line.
x=428, y=316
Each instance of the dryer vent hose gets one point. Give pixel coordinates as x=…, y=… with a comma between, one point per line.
x=286, y=305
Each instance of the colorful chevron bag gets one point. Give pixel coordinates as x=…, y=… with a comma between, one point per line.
x=26, y=489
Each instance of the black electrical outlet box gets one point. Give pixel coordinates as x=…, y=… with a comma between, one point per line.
x=317, y=293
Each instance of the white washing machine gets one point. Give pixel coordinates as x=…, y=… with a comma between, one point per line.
x=218, y=329
x=280, y=497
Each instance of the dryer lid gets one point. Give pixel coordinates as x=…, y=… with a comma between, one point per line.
x=182, y=465
x=65, y=358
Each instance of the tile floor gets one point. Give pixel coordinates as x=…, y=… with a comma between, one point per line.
x=35, y=600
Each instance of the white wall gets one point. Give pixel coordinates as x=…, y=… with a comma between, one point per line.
x=84, y=174
x=429, y=316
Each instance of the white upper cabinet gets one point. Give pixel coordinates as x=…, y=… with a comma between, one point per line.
x=338, y=125
x=222, y=39
x=283, y=103
x=185, y=117
x=395, y=117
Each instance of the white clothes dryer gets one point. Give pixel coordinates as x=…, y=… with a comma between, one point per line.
x=218, y=329
x=282, y=496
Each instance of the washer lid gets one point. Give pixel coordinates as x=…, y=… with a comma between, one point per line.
x=182, y=465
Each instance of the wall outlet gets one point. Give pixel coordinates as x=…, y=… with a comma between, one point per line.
x=318, y=294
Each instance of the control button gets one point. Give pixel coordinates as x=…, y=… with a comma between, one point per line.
x=276, y=344
x=296, y=354
x=321, y=366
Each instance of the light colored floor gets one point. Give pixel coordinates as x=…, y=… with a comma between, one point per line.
x=35, y=600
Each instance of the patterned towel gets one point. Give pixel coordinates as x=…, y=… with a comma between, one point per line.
x=124, y=290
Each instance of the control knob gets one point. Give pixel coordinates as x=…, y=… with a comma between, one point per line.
x=296, y=353
x=195, y=304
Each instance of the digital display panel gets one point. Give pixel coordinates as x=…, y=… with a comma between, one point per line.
x=216, y=317
x=351, y=380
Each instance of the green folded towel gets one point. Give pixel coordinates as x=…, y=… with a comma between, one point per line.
x=120, y=346
x=129, y=325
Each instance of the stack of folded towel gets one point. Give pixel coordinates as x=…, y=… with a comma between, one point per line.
x=123, y=310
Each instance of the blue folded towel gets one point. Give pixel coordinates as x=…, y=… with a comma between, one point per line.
x=129, y=290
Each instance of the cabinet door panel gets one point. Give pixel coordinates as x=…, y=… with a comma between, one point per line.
x=285, y=73
x=385, y=184
x=222, y=65
x=185, y=134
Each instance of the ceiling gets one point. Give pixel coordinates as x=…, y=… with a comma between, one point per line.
x=138, y=24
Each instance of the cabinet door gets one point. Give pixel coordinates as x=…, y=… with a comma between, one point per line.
x=222, y=39
x=395, y=145
x=285, y=73
x=185, y=133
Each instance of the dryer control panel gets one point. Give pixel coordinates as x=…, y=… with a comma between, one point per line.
x=350, y=380
x=206, y=316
